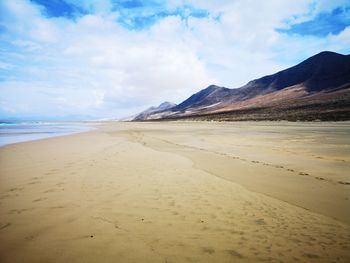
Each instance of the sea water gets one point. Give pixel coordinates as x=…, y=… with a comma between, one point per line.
x=22, y=131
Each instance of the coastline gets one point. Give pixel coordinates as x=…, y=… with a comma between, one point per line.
x=19, y=132
x=178, y=192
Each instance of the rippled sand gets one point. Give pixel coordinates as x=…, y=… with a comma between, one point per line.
x=179, y=192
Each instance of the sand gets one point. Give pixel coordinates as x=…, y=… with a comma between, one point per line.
x=179, y=192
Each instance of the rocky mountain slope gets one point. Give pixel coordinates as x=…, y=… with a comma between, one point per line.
x=316, y=89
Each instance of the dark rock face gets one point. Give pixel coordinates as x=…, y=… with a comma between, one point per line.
x=323, y=71
x=210, y=95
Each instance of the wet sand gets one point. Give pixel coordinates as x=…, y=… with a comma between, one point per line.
x=179, y=192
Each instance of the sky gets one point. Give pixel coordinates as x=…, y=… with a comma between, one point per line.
x=95, y=59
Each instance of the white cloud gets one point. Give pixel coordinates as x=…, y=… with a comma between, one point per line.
x=93, y=66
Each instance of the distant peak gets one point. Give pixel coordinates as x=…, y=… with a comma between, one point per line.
x=324, y=59
x=326, y=55
x=166, y=104
x=212, y=87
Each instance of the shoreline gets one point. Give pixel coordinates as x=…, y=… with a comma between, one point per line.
x=28, y=136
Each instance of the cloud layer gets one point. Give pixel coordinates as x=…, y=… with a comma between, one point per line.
x=96, y=59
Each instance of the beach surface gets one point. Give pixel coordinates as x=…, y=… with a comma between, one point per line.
x=179, y=192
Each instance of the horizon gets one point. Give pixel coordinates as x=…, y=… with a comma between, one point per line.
x=86, y=60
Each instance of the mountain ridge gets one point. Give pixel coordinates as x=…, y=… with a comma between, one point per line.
x=325, y=72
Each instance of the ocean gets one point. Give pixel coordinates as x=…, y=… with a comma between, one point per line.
x=22, y=131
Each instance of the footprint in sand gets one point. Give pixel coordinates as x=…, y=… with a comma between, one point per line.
x=36, y=178
x=50, y=191
x=18, y=211
x=260, y=221
x=309, y=255
x=39, y=199
x=340, y=160
x=234, y=253
x=15, y=189
x=4, y=226
x=208, y=250
x=320, y=178
x=29, y=238
x=56, y=207
x=344, y=183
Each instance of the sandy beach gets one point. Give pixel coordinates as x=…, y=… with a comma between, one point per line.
x=179, y=192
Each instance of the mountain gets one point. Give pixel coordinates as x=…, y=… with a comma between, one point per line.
x=322, y=71
x=154, y=110
x=206, y=97
x=317, y=88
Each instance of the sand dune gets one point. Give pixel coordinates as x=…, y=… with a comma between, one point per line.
x=179, y=192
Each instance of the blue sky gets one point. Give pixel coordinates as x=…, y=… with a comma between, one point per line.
x=133, y=14
x=74, y=59
x=324, y=23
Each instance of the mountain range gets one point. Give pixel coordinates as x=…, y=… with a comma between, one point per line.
x=316, y=89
